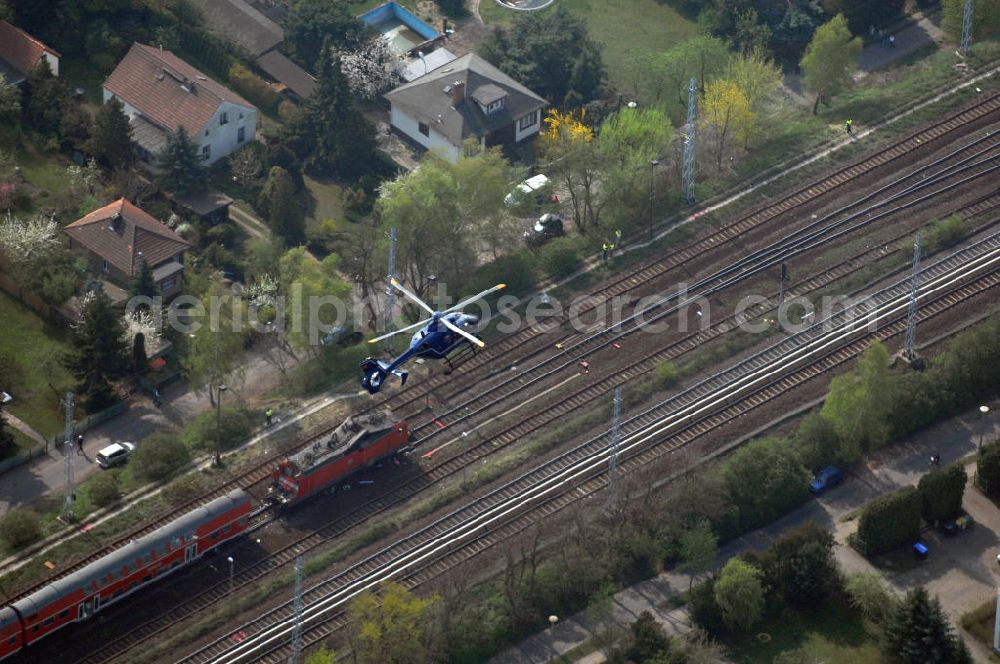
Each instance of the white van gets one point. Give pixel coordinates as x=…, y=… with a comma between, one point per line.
x=525, y=189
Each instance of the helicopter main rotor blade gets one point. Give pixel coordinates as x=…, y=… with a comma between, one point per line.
x=411, y=296
x=454, y=328
x=403, y=329
x=472, y=299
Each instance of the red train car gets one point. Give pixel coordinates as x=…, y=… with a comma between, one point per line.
x=79, y=595
x=358, y=442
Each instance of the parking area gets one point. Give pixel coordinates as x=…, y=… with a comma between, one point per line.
x=961, y=569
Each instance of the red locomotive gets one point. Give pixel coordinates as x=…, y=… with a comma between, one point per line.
x=358, y=442
x=79, y=595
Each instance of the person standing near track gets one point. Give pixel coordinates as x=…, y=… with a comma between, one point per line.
x=849, y=126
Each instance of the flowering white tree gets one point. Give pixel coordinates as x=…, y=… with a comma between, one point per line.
x=26, y=241
x=262, y=291
x=142, y=322
x=372, y=68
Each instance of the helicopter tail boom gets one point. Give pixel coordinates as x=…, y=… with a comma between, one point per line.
x=375, y=373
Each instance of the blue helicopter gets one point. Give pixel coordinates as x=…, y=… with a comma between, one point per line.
x=439, y=335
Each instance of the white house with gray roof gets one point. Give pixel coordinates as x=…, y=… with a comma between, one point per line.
x=465, y=98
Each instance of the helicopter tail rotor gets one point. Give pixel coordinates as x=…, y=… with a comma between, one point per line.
x=375, y=374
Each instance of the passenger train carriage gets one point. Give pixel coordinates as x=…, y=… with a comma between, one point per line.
x=79, y=595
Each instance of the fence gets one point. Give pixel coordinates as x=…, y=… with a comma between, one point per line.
x=90, y=422
x=21, y=457
x=47, y=311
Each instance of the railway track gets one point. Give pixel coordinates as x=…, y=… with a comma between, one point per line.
x=438, y=473
x=648, y=435
x=638, y=276
x=655, y=268
x=982, y=163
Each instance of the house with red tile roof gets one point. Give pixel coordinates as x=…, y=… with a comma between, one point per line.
x=161, y=93
x=116, y=238
x=20, y=53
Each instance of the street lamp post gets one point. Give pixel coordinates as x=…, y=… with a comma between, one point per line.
x=218, y=426
x=465, y=457
x=231, y=562
x=553, y=619
x=984, y=412
x=653, y=163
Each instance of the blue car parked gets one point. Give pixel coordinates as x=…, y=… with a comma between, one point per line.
x=827, y=478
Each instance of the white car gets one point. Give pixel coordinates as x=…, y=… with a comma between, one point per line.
x=114, y=454
x=525, y=189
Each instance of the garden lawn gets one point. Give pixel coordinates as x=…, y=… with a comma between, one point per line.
x=327, y=203
x=832, y=634
x=36, y=345
x=626, y=28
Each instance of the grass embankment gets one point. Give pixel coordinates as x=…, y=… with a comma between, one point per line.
x=831, y=634
x=627, y=29
x=37, y=346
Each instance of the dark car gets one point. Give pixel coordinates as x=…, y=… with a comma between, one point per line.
x=547, y=227
x=825, y=479
x=343, y=335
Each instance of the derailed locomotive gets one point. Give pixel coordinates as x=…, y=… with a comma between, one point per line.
x=358, y=442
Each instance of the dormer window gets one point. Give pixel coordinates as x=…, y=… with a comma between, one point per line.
x=495, y=106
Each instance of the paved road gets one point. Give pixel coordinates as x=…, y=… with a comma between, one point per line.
x=44, y=475
x=962, y=571
x=915, y=33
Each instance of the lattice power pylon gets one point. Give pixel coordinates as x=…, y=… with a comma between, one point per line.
x=297, y=630
x=615, y=432
x=70, y=456
x=911, y=316
x=687, y=176
x=967, y=26
x=389, y=296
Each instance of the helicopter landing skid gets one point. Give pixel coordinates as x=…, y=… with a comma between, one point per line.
x=453, y=362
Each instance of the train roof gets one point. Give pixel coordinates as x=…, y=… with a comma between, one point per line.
x=128, y=554
x=7, y=617
x=343, y=437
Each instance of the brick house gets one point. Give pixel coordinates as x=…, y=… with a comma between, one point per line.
x=161, y=93
x=117, y=237
x=462, y=99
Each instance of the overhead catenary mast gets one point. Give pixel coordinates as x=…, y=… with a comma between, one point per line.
x=68, y=451
x=689, y=138
x=911, y=316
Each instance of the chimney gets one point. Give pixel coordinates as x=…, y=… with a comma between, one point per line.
x=457, y=93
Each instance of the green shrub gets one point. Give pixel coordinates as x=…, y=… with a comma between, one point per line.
x=516, y=270
x=454, y=8
x=800, y=567
x=20, y=528
x=945, y=233
x=703, y=608
x=890, y=521
x=182, y=490
x=254, y=88
x=559, y=258
x=765, y=479
x=988, y=470
x=941, y=492
x=158, y=456
x=666, y=374
x=231, y=428
x=104, y=489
